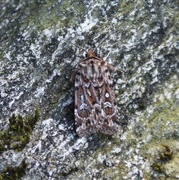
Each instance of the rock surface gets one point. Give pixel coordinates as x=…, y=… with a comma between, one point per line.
x=40, y=45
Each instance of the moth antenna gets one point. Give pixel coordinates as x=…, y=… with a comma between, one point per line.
x=77, y=46
x=80, y=47
x=101, y=42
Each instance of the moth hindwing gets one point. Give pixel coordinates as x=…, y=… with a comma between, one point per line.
x=95, y=104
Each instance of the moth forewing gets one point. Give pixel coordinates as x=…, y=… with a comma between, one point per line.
x=95, y=103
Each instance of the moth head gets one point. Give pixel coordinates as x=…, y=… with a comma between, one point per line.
x=91, y=53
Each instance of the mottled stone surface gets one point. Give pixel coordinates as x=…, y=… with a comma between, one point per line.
x=41, y=42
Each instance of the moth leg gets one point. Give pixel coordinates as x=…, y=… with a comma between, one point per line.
x=111, y=67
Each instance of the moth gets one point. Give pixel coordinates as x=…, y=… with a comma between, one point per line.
x=95, y=103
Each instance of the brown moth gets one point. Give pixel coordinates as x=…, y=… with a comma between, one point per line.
x=95, y=105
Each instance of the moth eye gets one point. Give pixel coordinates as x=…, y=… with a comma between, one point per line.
x=86, y=55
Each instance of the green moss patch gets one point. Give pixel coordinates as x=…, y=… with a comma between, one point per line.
x=18, y=134
x=14, y=172
x=164, y=156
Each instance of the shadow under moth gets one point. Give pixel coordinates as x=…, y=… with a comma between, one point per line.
x=95, y=104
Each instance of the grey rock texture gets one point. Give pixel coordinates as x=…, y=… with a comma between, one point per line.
x=41, y=42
